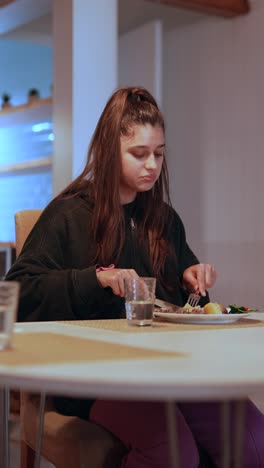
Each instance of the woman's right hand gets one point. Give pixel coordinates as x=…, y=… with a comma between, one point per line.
x=114, y=278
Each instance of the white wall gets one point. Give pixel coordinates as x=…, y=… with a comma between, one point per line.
x=141, y=59
x=214, y=107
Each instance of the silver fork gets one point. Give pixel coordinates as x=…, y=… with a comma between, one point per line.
x=193, y=299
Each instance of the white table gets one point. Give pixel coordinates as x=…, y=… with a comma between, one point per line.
x=199, y=368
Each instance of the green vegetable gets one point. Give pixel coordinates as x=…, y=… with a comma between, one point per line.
x=235, y=309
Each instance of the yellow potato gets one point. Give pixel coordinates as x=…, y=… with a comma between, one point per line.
x=213, y=308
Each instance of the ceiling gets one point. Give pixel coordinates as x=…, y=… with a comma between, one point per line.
x=131, y=13
x=5, y=2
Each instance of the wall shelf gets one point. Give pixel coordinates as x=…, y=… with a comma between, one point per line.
x=40, y=110
x=35, y=165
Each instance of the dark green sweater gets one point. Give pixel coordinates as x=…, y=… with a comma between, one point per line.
x=57, y=274
x=58, y=277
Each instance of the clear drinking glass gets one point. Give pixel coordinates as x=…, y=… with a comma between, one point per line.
x=140, y=299
x=9, y=294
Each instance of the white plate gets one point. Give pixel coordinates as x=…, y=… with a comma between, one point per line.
x=200, y=318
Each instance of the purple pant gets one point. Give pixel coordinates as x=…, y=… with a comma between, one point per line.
x=142, y=427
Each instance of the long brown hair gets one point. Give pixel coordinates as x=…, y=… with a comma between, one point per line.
x=126, y=108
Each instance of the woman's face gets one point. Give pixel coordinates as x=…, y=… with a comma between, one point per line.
x=141, y=160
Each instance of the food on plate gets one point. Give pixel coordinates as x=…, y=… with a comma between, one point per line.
x=235, y=309
x=214, y=308
x=187, y=309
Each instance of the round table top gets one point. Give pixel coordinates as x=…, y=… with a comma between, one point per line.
x=110, y=359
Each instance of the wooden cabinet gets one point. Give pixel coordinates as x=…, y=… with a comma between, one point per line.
x=218, y=7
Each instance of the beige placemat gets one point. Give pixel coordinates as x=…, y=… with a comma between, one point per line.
x=51, y=348
x=159, y=325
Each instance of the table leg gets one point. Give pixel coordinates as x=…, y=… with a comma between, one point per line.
x=4, y=427
x=173, y=434
x=239, y=432
x=226, y=434
x=42, y=405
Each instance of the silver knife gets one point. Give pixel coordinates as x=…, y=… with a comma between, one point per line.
x=168, y=306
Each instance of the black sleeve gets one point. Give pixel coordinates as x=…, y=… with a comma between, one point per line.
x=51, y=286
x=186, y=257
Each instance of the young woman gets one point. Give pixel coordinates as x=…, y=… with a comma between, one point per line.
x=115, y=221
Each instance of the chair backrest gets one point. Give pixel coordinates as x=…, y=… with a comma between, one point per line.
x=24, y=222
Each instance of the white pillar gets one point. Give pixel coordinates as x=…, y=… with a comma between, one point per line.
x=85, y=75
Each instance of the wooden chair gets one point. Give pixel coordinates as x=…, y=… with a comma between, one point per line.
x=68, y=442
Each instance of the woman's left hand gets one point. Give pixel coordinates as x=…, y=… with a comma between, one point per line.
x=199, y=277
